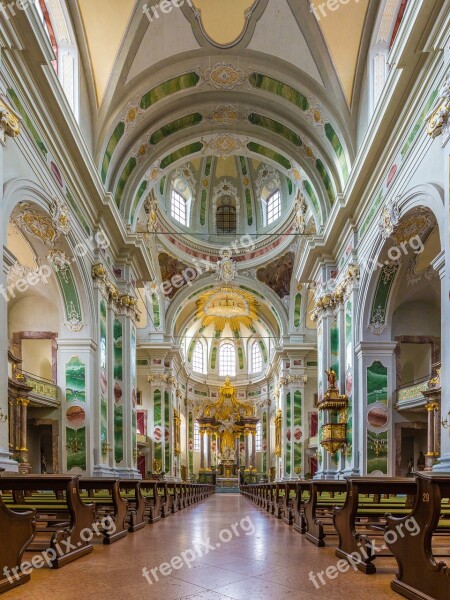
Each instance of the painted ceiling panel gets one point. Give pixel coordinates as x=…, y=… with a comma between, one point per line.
x=343, y=29
x=172, y=34
x=105, y=23
x=277, y=33
x=223, y=20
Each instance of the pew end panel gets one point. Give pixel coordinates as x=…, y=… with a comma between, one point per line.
x=19, y=529
x=420, y=576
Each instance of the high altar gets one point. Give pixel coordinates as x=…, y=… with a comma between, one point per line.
x=228, y=419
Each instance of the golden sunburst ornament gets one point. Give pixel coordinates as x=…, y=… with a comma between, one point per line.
x=227, y=305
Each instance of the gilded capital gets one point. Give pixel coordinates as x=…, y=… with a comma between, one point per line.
x=9, y=123
x=438, y=118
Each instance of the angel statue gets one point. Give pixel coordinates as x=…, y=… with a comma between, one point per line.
x=331, y=379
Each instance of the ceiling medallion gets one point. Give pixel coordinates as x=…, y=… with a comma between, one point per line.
x=225, y=114
x=224, y=144
x=227, y=306
x=409, y=228
x=226, y=268
x=224, y=76
x=37, y=224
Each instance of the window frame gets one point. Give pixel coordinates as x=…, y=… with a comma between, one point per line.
x=258, y=437
x=196, y=360
x=256, y=358
x=273, y=207
x=181, y=202
x=222, y=230
x=197, y=437
x=229, y=369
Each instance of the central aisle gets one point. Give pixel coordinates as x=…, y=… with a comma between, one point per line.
x=272, y=562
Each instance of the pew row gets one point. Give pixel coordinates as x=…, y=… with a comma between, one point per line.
x=359, y=520
x=410, y=539
x=64, y=517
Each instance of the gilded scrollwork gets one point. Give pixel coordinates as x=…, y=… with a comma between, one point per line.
x=438, y=118
x=123, y=304
x=9, y=122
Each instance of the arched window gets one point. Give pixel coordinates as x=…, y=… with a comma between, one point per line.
x=178, y=208
x=227, y=363
x=274, y=207
x=226, y=219
x=257, y=359
x=56, y=22
x=198, y=359
x=258, y=437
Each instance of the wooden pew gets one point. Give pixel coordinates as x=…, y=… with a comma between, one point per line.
x=419, y=575
x=302, y=494
x=317, y=509
x=18, y=530
x=288, y=502
x=165, y=499
x=278, y=501
x=149, y=489
x=181, y=488
x=270, y=503
x=353, y=543
x=66, y=520
x=172, y=490
x=136, y=504
x=111, y=505
x=264, y=496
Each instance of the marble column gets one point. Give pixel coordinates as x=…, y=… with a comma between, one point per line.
x=208, y=448
x=26, y=467
x=78, y=358
x=247, y=448
x=254, y=449
x=202, y=448
x=439, y=264
x=368, y=353
x=127, y=468
x=9, y=128
x=429, y=456
x=326, y=468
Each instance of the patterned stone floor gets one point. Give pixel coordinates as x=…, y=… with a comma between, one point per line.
x=245, y=555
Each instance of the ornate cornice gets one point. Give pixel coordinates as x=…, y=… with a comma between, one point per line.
x=325, y=305
x=122, y=304
x=162, y=378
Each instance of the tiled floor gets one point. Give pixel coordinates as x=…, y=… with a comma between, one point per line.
x=246, y=555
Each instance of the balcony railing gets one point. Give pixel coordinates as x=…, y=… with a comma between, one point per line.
x=410, y=395
x=45, y=392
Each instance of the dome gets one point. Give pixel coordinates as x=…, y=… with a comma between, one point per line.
x=221, y=198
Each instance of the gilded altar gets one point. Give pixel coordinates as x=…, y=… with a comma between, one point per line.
x=229, y=419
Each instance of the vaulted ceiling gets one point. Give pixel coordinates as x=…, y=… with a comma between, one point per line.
x=282, y=28
x=270, y=80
